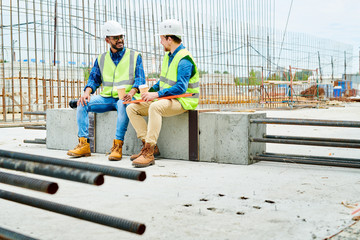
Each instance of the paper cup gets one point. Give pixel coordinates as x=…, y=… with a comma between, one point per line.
x=144, y=88
x=121, y=92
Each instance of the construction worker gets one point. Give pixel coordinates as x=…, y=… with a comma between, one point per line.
x=179, y=75
x=117, y=67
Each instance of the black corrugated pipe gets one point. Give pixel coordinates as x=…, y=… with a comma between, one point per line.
x=10, y=235
x=111, y=171
x=29, y=183
x=71, y=174
x=83, y=214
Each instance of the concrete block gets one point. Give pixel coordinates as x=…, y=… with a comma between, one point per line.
x=173, y=140
x=105, y=127
x=224, y=137
x=61, y=129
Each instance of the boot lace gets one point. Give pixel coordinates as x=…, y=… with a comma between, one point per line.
x=115, y=147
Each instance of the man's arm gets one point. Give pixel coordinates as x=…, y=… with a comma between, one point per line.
x=185, y=70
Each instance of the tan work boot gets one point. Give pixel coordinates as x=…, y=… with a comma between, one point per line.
x=156, y=151
x=146, y=158
x=116, y=150
x=81, y=150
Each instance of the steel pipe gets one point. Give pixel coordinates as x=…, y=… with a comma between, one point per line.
x=36, y=127
x=312, y=122
x=66, y=173
x=111, y=171
x=10, y=235
x=83, y=214
x=36, y=141
x=280, y=155
x=301, y=142
x=313, y=139
x=306, y=161
x=29, y=183
x=35, y=113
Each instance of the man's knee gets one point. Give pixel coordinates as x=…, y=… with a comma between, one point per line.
x=156, y=107
x=130, y=109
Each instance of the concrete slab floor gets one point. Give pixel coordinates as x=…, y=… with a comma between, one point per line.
x=192, y=200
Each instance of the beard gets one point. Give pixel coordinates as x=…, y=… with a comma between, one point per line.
x=120, y=48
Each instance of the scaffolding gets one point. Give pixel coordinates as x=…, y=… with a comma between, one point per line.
x=49, y=47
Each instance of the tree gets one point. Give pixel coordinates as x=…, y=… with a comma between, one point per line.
x=254, y=77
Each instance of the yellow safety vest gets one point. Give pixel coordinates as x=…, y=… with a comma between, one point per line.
x=121, y=75
x=168, y=78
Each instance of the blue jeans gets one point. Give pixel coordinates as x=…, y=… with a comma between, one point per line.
x=99, y=104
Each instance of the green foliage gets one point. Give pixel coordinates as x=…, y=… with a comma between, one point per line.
x=274, y=77
x=86, y=71
x=154, y=75
x=225, y=72
x=216, y=71
x=255, y=77
x=201, y=72
x=302, y=75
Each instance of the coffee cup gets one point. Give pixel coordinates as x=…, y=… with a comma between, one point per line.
x=121, y=91
x=144, y=88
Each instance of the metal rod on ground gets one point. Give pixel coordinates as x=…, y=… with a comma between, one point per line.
x=313, y=122
x=36, y=141
x=66, y=173
x=35, y=113
x=314, y=161
x=83, y=214
x=29, y=183
x=313, y=138
x=111, y=171
x=307, y=156
x=302, y=142
x=10, y=235
x=36, y=127
x=310, y=158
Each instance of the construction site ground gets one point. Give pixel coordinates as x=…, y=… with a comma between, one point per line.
x=201, y=200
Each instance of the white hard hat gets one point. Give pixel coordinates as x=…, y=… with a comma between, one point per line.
x=171, y=27
x=112, y=28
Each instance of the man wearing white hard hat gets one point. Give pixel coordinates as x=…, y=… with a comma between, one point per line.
x=117, y=67
x=179, y=75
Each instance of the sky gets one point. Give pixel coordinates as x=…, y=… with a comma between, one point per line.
x=338, y=20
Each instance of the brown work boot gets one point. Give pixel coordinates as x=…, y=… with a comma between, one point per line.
x=146, y=158
x=135, y=156
x=116, y=150
x=81, y=150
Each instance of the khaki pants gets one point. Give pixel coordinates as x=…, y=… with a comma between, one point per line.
x=155, y=111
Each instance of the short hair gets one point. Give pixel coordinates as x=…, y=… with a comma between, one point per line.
x=174, y=38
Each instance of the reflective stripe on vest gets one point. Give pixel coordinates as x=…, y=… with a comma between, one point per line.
x=121, y=75
x=168, y=78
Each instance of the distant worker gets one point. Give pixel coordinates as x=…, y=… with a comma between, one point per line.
x=117, y=67
x=179, y=75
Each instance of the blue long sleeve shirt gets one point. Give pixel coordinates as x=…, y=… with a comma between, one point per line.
x=95, y=75
x=185, y=72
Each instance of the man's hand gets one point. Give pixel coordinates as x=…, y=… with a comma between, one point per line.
x=85, y=98
x=149, y=96
x=128, y=97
